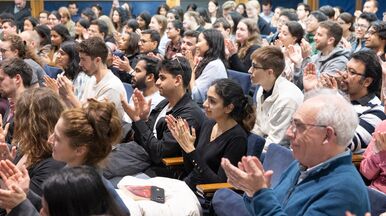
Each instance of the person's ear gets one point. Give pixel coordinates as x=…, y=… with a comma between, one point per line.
x=367, y=81
x=81, y=151
x=229, y=108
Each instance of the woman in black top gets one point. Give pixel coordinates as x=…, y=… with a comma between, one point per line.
x=224, y=134
x=248, y=40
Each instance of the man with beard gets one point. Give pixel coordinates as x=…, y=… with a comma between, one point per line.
x=144, y=79
x=102, y=85
x=331, y=58
x=361, y=81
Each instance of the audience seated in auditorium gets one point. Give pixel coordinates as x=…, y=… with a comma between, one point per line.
x=223, y=134
x=15, y=78
x=276, y=99
x=13, y=46
x=312, y=24
x=102, y=85
x=174, y=31
x=37, y=111
x=151, y=134
x=210, y=47
x=68, y=60
x=361, y=81
x=247, y=41
x=331, y=58
x=145, y=78
x=321, y=172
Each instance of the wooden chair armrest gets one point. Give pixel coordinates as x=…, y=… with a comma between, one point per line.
x=356, y=159
x=173, y=161
x=208, y=190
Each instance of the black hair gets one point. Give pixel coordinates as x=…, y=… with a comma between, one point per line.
x=152, y=65
x=89, y=14
x=245, y=9
x=163, y=6
x=56, y=14
x=232, y=93
x=178, y=25
x=5, y=15
x=319, y=16
x=296, y=30
x=178, y=66
x=191, y=6
x=306, y=7
x=78, y=191
x=215, y=41
x=122, y=18
x=236, y=17
x=32, y=20
x=348, y=19
x=328, y=11
x=73, y=68
x=132, y=23
x=289, y=14
x=146, y=17
x=204, y=14
x=102, y=26
x=63, y=32
x=370, y=17
x=44, y=33
x=154, y=35
x=373, y=68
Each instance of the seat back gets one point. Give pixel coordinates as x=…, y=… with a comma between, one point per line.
x=244, y=79
x=52, y=71
x=277, y=159
x=377, y=201
x=129, y=90
x=255, y=145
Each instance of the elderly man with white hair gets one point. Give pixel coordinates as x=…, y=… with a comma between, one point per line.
x=322, y=179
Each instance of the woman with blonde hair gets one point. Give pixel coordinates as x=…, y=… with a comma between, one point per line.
x=159, y=24
x=247, y=40
x=66, y=20
x=253, y=11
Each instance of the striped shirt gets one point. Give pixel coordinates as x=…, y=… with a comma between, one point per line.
x=370, y=113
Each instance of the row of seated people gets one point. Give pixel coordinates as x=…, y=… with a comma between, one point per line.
x=152, y=135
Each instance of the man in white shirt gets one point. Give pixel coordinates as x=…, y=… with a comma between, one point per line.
x=102, y=85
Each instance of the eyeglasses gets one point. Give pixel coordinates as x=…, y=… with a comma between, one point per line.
x=352, y=72
x=297, y=126
x=179, y=63
x=4, y=50
x=371, y=32
x=255, y=66
x=362, y=26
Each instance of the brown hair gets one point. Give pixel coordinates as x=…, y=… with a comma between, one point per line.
x=253, y=39
x=270, y=57
x=37, y=111
x=96, y=125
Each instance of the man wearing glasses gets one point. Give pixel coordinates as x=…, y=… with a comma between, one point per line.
x=362, y=24
x=376, y=38
x=322, y=179
x=361, y=81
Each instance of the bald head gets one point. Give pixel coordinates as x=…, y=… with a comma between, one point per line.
x=31, y=39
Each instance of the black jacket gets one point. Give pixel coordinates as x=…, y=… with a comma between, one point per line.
x=164, y=145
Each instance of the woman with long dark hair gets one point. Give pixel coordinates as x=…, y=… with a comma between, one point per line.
x=59, y=34
x=223, y=135
x=119, y=16
x=68, y=60
x=210, y=48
